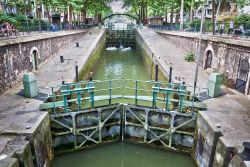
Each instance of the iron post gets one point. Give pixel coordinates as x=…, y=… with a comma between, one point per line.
x=170, y=74
x=91, y=90
x=156, y=72
x=110, y=92
x=77, y=74
x=136, y=92
x=61, y=59
x=198, y=53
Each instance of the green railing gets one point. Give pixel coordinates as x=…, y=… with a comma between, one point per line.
x=76, y=96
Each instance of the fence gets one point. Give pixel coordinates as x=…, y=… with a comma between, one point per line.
x=207, y=28
x=28, y=29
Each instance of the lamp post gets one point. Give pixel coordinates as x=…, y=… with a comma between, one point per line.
x=198, y=50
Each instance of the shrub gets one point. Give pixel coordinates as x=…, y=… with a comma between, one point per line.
x=227, y=82
x=243, y=19
x=7, y=18
x=189, y=57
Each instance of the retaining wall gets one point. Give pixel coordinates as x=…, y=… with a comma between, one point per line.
x=16, y=55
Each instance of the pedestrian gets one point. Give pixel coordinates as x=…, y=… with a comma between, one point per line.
x=241, y=30
x=216, y=27
x=222, y=26
x=231, y=27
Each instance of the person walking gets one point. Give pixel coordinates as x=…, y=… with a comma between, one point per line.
x=231, y=27
x=216, y=28
x=222, y=26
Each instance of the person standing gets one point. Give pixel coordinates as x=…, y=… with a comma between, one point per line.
x=231, y=27
x=222, y=26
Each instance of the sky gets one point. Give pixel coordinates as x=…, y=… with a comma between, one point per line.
x=117, y=6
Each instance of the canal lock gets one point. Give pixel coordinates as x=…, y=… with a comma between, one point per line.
x=168, y=124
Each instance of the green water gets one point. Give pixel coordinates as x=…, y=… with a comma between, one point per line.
x=123, y=155
x=120, y=65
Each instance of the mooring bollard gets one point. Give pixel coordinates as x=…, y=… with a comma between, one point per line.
x=170, y=74
x=61, y=59
x=77, y=75
x=156, y=72
x=63, y=82
x=91, y=76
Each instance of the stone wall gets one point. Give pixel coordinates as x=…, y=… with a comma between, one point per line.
x=206, y=138
x=28, y=147
x=149, y=59
x=16, y=58
x=226, y=53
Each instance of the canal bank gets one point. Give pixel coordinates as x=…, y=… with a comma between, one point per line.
x=25, y=133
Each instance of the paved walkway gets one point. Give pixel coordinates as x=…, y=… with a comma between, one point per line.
x=224, y=38
x=50, y=74
x=166, y=53
x=230, y=112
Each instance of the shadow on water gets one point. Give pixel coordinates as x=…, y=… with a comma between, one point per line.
x=123, y=155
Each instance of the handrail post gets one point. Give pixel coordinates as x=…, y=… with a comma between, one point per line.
x=156, y=89
x=181, y=96
x=136, y=92
x=167, y=97
x=110, y=91
x=79, y=102
x=91, y=88
x=65, y=92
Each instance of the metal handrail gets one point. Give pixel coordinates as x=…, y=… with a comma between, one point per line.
x=161, y=92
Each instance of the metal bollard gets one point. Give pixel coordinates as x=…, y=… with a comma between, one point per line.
x=61, y=59
x=156, y=72
x=77, y=44
x=170, y=74
x=77, y=75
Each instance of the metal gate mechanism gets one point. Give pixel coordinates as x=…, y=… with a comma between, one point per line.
x=84, y=114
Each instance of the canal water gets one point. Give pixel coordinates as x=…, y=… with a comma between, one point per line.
x=123, y=155
x=122, y=64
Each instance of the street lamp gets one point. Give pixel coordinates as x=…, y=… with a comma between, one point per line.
x=198, y=50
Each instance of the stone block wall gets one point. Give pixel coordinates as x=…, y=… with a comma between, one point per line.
x=17, y=150
x=204, y=147
x=41, y=143
x=16, y=58
x=226, y=55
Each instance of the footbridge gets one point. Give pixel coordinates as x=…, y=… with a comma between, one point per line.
x=120, y=14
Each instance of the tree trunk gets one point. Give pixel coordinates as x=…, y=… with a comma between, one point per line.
x=146, y=12
x=213, y=19
x=191, y=10
x=166, y=17
x=218, y=10
x=172, y=15
x=141, y=13
x=70, y=15
x=181, y=15
x=84, y=14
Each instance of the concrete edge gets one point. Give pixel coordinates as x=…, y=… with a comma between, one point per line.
x=39, y=37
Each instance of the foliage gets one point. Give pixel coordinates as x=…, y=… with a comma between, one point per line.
x=189, y=57
x=7, y=18
x=243, y=19
x=227, y=82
